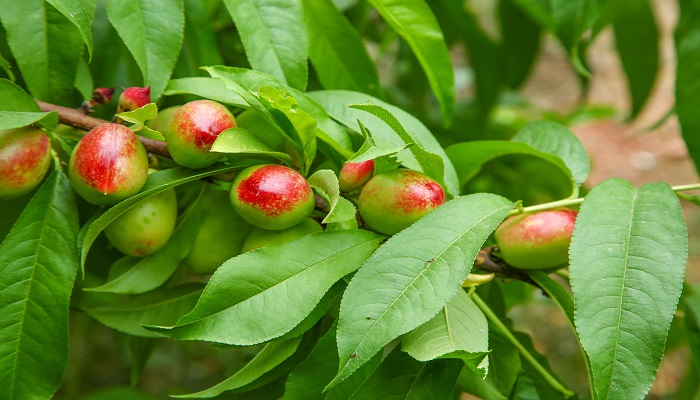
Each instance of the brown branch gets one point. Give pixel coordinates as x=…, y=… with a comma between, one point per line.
x=77, y=119
x=485, y=262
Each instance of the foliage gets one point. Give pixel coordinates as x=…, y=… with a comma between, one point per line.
x=345, y=313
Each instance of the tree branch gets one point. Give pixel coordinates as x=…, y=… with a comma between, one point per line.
x=77, y=119
x=485, y=262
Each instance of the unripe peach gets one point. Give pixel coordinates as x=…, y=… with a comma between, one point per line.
x=221, y=234
x=146, y=227
x=25, y=156
x=263, y=238
x=192, y=130
x=133, y=98
x=354, y=175
x=160, y=122
x=537, y=241
x=272, y=196
x=108, y=165
x=393, y=200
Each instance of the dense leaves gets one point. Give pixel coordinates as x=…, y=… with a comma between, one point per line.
x=412, y=276
x=345, y=313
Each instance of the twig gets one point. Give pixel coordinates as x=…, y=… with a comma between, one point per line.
x=485, y=262
x=77, y=119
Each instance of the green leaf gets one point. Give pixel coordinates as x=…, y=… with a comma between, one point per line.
x=241, y=141
x=341, y=209
x=286, y=281
x=633, y=25
x=553, y=138
x=5, y=65
x=567, y=19
x=159, y=307
x=156, y=183
x=687, y=70
x=38, y=264
x=80, y=13
x=18, y=119
x=153, y=270
x=520, y=42
x=307, y=380
x=304, y=126
x=83, y=80
x=469, y=157
x=272, y=355
x=244, y=82
x=140, y=351
x=46, y=46
x=459, y=330
x=374, y=147
x=430, y=163
x=199, y=47
x=138, y=117
x=208, y=88
x=153, y=31
x=544, y=139
x=565, y=301
x=336, y=103
x=692, y=326
x=401, y=377
x=413, y=275
x=274, y=37
x=13, y=98
x=415, y=22
x=628, y=256
x=336, y=50
x=484, y=55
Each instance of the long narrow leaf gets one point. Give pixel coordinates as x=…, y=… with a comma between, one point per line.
x=628, y=256
x=415, y=22
x=38, y=265
x=274, y=36
x=153, y=31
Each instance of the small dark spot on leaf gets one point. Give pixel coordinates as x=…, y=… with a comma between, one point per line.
x=353, y=355
x=368, y=318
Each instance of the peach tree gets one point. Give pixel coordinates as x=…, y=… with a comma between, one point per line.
x=296, y=188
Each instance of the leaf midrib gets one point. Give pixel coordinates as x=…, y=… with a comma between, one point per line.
x=622, y=290
x=29, y=289
x=308, y=268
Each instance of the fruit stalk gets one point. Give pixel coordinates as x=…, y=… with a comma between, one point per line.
x=486, y=263
x=79, y=120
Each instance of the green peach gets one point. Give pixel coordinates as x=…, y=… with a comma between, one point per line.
x=160, y=122
x=220, y=236
x=146, y=227
x=263, y=238
x=108, y=165
x=192, y=130
x=393, y=200
x=272, y=197
x=25, y=156
x=537, y=241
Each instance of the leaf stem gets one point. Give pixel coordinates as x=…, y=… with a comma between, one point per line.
x=553, y=382
x=579, y=200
